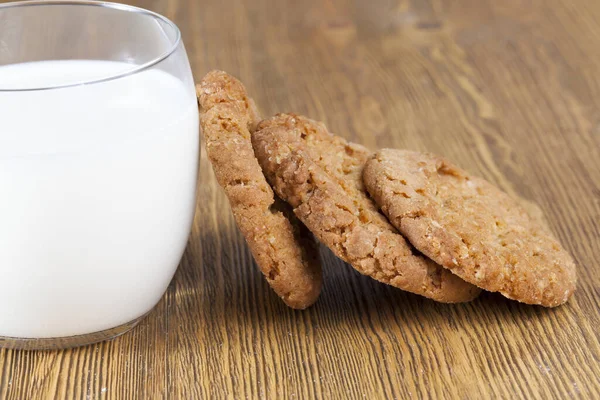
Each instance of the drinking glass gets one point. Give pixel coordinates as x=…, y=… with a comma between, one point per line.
x=98, y=168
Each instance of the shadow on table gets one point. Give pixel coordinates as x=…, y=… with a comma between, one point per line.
x=228, y=288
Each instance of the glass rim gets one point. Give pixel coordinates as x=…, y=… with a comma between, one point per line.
x=102, y=4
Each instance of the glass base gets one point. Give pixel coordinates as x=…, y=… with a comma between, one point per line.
x=67, y=342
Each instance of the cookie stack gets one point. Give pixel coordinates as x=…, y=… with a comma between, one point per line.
x=411, y=220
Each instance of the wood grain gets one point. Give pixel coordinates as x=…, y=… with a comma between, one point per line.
x=509, y=89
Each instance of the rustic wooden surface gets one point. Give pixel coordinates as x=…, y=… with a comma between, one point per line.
x=509, y=89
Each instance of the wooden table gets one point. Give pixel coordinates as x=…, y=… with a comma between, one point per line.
x=509, y=89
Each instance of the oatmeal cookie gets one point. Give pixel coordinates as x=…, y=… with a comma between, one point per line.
x=319, y=175
x=284, y=250
x=470, y=227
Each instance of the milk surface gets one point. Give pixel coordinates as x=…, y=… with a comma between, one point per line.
x=97, y=195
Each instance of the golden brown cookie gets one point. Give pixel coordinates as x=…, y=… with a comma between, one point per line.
x=470, y=227
x=319, y=174
x=285, y=251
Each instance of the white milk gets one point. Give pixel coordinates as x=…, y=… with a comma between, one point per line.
x=97, y=195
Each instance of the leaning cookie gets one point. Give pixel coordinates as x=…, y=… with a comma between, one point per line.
x=470, y=227
x=283, y=248
x=319, y=174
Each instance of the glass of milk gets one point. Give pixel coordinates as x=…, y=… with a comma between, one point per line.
x=98, y=168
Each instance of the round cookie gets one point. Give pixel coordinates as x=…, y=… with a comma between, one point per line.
x=470, y=227
x=319, y=174
x=283, y=248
